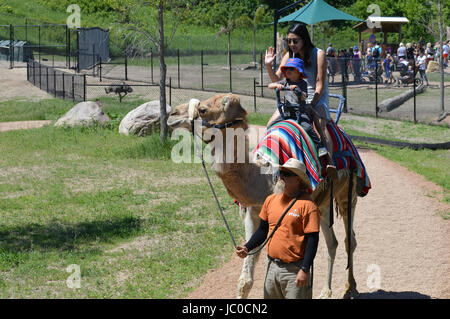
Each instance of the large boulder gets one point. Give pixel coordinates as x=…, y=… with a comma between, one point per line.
x=84, y=114
x=143, y=120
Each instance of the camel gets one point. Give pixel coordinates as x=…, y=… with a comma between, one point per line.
x=245, y=183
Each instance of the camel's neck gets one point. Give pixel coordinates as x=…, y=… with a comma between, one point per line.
x=243, y=179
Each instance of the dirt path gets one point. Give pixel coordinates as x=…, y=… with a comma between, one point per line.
x=20, y=125
x=399, y=231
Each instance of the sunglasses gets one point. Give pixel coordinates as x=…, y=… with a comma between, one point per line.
x=290, y=68
x=286, y=174
x=295, y=41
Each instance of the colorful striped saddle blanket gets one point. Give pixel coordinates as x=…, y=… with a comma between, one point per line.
x=287, y=139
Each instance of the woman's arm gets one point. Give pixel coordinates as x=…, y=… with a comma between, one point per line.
x=321, y=77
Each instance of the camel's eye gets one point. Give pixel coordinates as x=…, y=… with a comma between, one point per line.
x=202, y=111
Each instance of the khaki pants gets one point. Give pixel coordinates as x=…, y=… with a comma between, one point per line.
x=280, y=282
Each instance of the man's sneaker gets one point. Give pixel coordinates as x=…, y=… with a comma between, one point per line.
x=322, y=151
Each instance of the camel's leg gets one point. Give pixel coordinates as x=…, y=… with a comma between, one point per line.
x=245, y=282
x=332, y=244
x=350, y=287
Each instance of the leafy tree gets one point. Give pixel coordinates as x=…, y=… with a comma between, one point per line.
x=148, y=21
x=254, y=23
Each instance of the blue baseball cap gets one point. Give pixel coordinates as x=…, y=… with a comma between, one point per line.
x=294, y=63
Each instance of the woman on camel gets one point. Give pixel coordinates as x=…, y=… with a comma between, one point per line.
x=301, y=46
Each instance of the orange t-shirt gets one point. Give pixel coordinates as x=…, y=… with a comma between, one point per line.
x=288, y=242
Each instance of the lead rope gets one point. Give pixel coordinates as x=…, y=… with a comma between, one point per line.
x=212, y=188
x=220, y=207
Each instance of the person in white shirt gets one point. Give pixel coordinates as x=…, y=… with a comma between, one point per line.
x=421, y=63
x=401, y=52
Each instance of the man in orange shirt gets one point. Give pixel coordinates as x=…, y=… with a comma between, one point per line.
x=292, y=248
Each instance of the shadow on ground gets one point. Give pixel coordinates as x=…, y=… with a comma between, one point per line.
x=56, y=235
x=382, y=294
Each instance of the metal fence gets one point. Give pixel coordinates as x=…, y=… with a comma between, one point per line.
x=58, y=83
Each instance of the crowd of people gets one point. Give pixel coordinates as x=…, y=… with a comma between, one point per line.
x=407, y=59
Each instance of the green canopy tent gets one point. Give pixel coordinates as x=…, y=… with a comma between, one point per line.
x=317, y=11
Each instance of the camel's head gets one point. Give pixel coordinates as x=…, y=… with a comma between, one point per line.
x=179, y=117
x=220, y=110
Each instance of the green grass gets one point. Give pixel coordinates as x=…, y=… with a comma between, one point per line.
x=137, y=224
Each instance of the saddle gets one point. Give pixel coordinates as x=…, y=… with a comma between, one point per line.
x=287, y=139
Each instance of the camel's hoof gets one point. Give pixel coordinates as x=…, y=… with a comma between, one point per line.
x=351, y=294
x=244, y=288
x=325, y=293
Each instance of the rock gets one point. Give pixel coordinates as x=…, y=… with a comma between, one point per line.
x=83, y=114
x=143, y=120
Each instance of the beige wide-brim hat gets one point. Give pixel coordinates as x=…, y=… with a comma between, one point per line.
x=297, y=167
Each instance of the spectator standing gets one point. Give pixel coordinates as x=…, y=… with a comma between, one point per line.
x=331, y=59
x=445, y=53
x=421, y=63
x=356, y=63
x=377, y=51
x=410, y=53
x=386, y=64
x=429, y=52
x=401, y=52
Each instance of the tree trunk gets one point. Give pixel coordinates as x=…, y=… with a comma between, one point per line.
x=163, y=70
x=229, y=50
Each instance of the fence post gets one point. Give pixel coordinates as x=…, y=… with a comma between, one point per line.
x=67, y=48
x=34, y=73
x=414, y=84
x=63, y=87
x=178, y=59
x=101, y=68
x=11, y=46
x=40, y=76
x=170, y=91
x=344, y=83
x=73, y=87
x=54, y=82
x=39, y=43
x=126, y=65
x=201, y=64
x=376, y=89
x=84, y=87
x=261, y=82
x=151, y=63
x=46, y=81
x=254, y=94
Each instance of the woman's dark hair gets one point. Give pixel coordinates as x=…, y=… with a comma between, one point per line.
x=301, y=31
